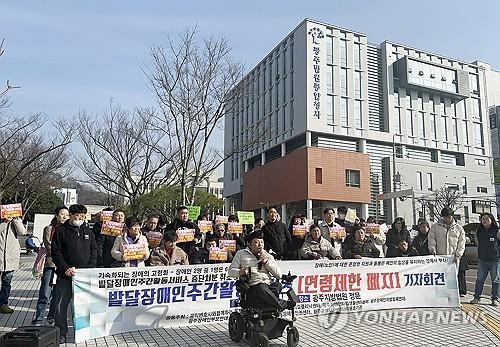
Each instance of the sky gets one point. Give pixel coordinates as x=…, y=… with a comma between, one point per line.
x=69, y=56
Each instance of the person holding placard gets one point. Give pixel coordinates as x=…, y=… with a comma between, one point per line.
x=103, y=216
x=239, y=237
x=298, y=231
x=47, y=290
x=202, y=256
x=359, y=246
x=73, y=247
x=168, y=253
x=182, y=221
x=10, y=253
x=397, y=232
x=329, y=221
x=105, y=242
x=131, y=238
x=317, y=247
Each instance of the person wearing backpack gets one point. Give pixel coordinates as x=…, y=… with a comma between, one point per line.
x=10, y=253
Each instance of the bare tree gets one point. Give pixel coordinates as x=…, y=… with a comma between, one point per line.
x=28, y=159
x=124, y=152
x=192, y=79
x=441, y=198
x=4, y=100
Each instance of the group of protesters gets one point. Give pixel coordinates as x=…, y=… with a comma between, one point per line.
x=70, y=244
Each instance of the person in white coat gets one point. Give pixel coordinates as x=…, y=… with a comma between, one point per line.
x=10, y=253
x=446, y=237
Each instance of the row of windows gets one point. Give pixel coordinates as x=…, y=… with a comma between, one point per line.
x=343, y=52
x=416, y=121
x=352, y=177
x=343, y=118
x=428, y=184
x=440, y=105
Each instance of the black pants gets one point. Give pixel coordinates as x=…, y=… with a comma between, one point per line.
x=64, y=296
x=263, y=296
x=462, y=284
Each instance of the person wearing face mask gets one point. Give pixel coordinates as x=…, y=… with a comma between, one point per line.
x=47, y=291
x=421, y=241
x=73, y=248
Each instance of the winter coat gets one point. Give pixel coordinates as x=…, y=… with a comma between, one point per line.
x=187, y=247
x=117, y=251
x=277, y=238
x=488, y=248
x=392, y=240
x=323, y=247
x=325, y=229
x=447, y=240
x=48, y=232
x=159, y=257
x=10, y=251
x=246, y=259
x=421, y=243
x=73, y=246
x=365, y=248
x=104, y=246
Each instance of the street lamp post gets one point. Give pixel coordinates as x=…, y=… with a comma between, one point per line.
x=394, y=173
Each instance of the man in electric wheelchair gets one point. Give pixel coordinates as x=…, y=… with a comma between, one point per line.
x=260, y=315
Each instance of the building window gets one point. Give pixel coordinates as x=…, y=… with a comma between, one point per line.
x=409, y=122
x=343, y=52
x=319, y=175
x=419, y=181
x=432, y=106
x=357, y=56
x=352, y=178
x=479, y=206
x=396, y=126
x=429, y=181
x=329, y=79
x=358, y=115
x=454, y=130
x=476, y=109
x=481, y=162
x=433, y=126
x=478, y=135
x=464, y=185
x=343, y=82
x=444, y=127
x=482, y=190
x=357, y=84
x=421, y=125
x=466, y=132
x=329, y=50
x=329, y=109
x=344, y=114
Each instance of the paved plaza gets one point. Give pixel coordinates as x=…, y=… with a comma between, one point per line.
x=443, y=327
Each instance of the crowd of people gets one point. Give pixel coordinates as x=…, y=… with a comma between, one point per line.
x=71, y=244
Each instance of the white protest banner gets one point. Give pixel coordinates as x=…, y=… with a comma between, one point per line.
x=117, y=300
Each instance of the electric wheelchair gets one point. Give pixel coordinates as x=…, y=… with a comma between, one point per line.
x=261, y=325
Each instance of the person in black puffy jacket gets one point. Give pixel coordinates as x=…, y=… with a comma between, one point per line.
x=488, y=237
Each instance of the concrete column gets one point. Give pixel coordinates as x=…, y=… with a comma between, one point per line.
x=262, y=158
x=246, y=165
x=362, y=145
x=284, y=217
x=263, y=213
x=283, y=149
x=438, y=155
x=309, y=209
x=308, y=139
x=364, y=211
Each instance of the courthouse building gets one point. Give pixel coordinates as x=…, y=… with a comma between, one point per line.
x=327, y=118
